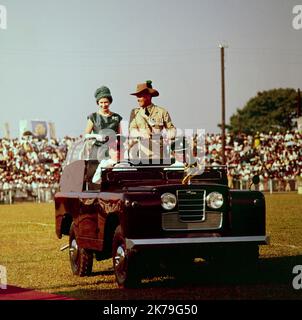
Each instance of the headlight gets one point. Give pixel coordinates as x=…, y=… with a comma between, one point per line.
x=168, y=201
x=215, y=200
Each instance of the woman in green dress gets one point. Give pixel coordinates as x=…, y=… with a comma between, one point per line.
x=99, y=122
x=104, y=118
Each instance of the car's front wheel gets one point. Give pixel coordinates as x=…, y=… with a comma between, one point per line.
x=125, y=262
x=81, y=260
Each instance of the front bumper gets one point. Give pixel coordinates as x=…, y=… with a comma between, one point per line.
x=194, y=242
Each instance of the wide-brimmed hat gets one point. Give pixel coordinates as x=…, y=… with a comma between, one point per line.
x=145, y=87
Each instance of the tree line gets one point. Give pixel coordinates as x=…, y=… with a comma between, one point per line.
x=274, y=110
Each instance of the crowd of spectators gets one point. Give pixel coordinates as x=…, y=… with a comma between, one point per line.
x=29, y=165
x=273, y=156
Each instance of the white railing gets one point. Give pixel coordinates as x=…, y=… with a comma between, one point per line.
x=39, y=194
x=46, y=194
x=268, y=185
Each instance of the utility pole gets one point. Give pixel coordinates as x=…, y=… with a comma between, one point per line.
x=299, y=104
x=221, y=46
x=299, y=115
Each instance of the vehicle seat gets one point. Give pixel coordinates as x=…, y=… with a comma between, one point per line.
x=91, y=167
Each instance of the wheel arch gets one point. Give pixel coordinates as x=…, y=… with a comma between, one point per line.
x=112, y=221
x=66, y=223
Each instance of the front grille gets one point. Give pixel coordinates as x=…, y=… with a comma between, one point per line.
x=171, y=222
x=191, y=204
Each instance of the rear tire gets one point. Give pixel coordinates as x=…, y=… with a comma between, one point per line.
x=81, y=260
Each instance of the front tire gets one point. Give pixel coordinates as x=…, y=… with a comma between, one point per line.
x=125, y=263
x=81, y=260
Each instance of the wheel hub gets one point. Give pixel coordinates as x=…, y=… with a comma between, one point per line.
x=119, y=256
x=73, y=249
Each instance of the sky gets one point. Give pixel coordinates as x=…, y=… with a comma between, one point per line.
x=55, y=54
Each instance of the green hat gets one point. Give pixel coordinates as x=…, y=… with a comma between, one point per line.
x=103, y=92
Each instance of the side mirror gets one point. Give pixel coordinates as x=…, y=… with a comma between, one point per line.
x=256, y=179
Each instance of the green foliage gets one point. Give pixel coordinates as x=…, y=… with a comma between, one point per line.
x=271, y=110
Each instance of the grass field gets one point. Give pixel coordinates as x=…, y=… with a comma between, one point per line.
x=30, y=251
